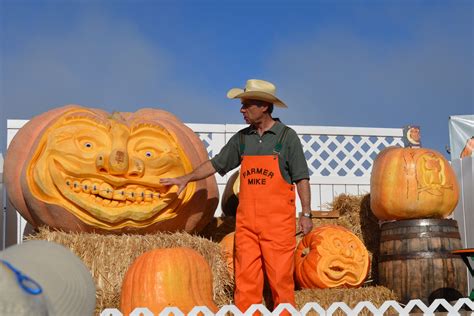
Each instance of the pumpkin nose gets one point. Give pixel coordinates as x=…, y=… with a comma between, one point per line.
x=347, y=252
x=101, y=163
x=118, y=162
x=137, y=168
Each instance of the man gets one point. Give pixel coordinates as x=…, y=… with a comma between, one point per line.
x=271, y=159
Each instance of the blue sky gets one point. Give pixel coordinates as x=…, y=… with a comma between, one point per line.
x=335, y=63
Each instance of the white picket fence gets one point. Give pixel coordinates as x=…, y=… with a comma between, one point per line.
x=463, y=306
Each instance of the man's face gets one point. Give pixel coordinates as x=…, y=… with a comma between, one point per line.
x=253, y=110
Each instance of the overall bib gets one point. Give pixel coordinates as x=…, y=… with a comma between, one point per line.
x=265, y=232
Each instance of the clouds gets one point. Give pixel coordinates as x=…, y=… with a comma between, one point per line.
x=378, y=65
x=93, y=62
x=96, y=61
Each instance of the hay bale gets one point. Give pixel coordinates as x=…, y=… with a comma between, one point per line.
x=109, y=256
x=375, y=294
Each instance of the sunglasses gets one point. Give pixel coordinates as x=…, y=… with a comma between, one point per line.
x=248, y=103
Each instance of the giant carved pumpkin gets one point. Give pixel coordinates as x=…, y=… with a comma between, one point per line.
x=82, y=169
x=331, y=256
x=159, y=278
x=410, y=183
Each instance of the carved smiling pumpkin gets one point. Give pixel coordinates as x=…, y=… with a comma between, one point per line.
x=82, y=169
x=409, y=183
x=331, y=256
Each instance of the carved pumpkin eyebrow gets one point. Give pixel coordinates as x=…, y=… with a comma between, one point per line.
x=136, y=126
x=88, y=117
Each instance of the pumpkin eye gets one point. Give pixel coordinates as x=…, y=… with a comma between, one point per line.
x=86, y=143
x=337, y=243
x=148, y=153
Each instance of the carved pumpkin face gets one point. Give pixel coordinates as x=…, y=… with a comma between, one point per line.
x=105, y=171
x=409, y=183
x=331, y=256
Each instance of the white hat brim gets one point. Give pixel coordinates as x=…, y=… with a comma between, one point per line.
x=237, y=93
x=66, y=282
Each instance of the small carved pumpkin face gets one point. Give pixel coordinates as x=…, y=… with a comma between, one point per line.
x=105, y=171
x=331, y=256
x=343, y=256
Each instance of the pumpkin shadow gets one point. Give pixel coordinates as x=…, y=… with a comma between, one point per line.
x=370, y=230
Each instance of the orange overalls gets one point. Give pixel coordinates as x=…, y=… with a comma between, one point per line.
x=265, y=233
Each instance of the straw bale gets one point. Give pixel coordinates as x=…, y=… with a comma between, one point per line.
x=325, y=297
x=109, y=256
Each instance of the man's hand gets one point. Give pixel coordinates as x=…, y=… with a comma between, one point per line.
x=181, y=182
x=203, y=171
x=305, y=224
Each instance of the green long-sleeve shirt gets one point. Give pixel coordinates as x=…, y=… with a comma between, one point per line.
x=293, y=166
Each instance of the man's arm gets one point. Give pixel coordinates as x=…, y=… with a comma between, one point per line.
x=203, y=171
x=304, y=193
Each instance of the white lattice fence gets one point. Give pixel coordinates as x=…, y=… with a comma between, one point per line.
x=339, y=158
x=464, y=306
x=344, y=155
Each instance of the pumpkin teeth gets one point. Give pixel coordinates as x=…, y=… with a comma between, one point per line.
x=95, y=188
x=148, y=196
x=140, y=194
x=105, y=194
x=76, y=186
x=86, y=186
x=106, y=191
x=119, y=195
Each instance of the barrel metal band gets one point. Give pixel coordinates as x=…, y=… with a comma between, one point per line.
x=454, y=235
x=420, y=222
x=418, y=255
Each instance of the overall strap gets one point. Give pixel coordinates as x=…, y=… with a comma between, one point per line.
x=279, y=144
x=242, y=144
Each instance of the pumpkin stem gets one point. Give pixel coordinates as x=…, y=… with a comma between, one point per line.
x=117, y=116
x=305, y=252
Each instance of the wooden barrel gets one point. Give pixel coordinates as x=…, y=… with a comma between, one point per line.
x=415, y=260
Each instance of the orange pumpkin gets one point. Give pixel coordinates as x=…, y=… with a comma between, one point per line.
x=159, y=278
x=331, y=256
x=410, y=183
x=82, y=169
x=227, y=244
x=230, y=196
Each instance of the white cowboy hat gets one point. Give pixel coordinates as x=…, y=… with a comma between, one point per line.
x=39, y=277
x=258, y=90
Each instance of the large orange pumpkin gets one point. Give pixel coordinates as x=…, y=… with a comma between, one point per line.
x=331, y=256
x=82, y=169
x=159, y=278
x=410, y=183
